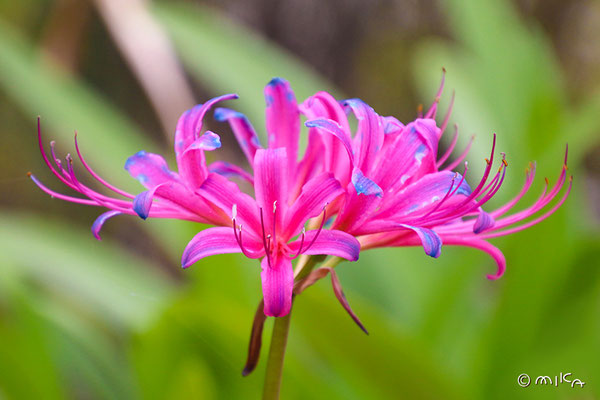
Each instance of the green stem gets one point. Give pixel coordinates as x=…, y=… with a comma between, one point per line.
x=281, y=328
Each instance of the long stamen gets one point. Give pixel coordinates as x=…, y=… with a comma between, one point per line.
x=450, y=149
x=320, y=228
x=264, y=237
x=301, y=244
x=274, y=222
x=96, y=176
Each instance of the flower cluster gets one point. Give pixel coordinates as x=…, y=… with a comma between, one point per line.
x=382, y=185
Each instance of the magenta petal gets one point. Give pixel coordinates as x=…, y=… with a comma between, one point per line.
x=432, y=243
x=271, y=183
x=99, y=222
x=333, y=128
x=179, y=195
x=229, y=170
x=225, y=194
x=484, y=222
x=391, y=125
x=364, y=185
x=277, y=285
x=143, y=202
x=316, y=193
x=242, y=129
x=190, y=123
x=425, y=191
x=323, y=105
x=331, y=242
x=369, y=134
x=407, y=156
x=213, y=241
x=282, y=119
x=150, y=169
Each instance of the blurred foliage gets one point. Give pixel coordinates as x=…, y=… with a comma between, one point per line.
x=87, y=319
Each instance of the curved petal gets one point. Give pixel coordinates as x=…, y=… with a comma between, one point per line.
x=283, y=119
x=271, y=184
x=277, y=285
x=175, y=193
x=316, y=193
x=225, y=194
x=432, y=243
x=364, y=185
x=192, y=163
x=410, y=155
x=228, y=170
x=190, y=123
x=334, y=128
x=150, y=169
x=331, y=242
x=369, y=134
x=99, y=222
x=425, y=191
x=242, y=129
x=213, y=241
x=484, y=222
x=323, y=105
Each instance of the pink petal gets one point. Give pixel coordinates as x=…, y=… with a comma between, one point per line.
x=192, y=163
x=277, y=285
x=213, y=241
x=229, y=170
x=323, y=105
x=225, y=194
x=150, y=169
x=179, y=195
x=271, y=184
x=484, y=222
x=331, y=242
x=369, y=134
x=425, y=191
x=190, y=123
x=316, y=193
x=99, y=222
x=432, y=244
x=408, y=157
x=283, y=119
x=242, y=129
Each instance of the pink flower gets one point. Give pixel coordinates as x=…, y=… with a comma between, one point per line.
x=270, y=227
x=380, y=186
x=396, y=194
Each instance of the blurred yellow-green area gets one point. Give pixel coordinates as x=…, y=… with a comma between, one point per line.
x=119, y=319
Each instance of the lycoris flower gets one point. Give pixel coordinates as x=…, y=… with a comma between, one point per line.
x=396, y=194
x=380, y=186
x=261, y=228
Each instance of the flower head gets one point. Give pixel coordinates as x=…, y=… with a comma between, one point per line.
x=382, y=185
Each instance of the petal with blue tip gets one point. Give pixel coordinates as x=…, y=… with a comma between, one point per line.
x=190, y=123
x=483, y=222
x=242, y=129
x=99, y=222
x=364, y=185
x=432, y=243
x=149, y=169
x=283, y=119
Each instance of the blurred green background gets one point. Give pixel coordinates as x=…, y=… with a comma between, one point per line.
x=119, y=319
